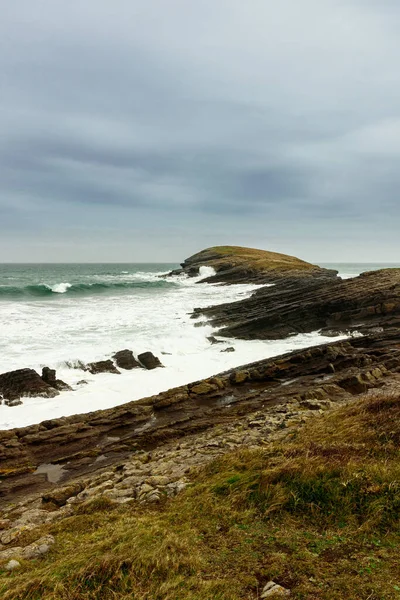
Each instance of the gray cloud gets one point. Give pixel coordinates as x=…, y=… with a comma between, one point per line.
x=148, y=130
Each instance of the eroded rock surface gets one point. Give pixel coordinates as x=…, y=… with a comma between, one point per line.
x=367, y=303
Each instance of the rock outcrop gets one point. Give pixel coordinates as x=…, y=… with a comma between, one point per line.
x=366, y=304
x=102, y=366
x=149, y=361
x=49, y=376
x=125, y=360
x=25, y=382
x=234, y=264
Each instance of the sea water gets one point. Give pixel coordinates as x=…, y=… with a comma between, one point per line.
x=62, y=315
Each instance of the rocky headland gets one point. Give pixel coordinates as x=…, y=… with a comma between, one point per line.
x=144, y=451
x=234, y=264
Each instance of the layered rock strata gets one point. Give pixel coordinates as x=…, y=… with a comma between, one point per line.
x=367, y=303
x=301, y=380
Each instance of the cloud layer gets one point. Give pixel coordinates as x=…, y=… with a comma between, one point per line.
x=144, y=130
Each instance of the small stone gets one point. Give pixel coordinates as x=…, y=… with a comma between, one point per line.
x=12, y=565
x=274, y=589
x=229, y=349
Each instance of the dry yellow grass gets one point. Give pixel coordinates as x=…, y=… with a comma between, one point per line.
x=260, y=260
x=318, y=513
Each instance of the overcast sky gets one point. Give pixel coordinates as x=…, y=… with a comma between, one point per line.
x=146, y=130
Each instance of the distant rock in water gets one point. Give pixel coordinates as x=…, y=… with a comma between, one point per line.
x=102, y=366
x=149, y=361
x=25, y=382
x=125, y=360
x=234, y=264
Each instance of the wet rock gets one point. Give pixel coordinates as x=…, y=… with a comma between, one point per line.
x=24, y=382
x=49, y=376
x=125, y=360
x=213, y=340
x=102, y=366
x=13, y=402
x=229, y=349
x=149, y=361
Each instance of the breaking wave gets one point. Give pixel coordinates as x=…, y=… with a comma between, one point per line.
x=45, y=290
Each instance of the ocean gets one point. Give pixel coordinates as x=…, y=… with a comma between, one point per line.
x=57, y=315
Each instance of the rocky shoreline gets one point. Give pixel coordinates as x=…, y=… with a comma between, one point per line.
x=144, y=451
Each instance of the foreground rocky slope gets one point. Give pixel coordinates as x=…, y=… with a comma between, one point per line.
x=284, y=503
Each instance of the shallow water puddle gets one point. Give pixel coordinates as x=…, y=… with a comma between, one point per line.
x=53, y=472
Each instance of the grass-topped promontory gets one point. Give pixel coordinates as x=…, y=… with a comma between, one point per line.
x=251, y=260
x=318, y=513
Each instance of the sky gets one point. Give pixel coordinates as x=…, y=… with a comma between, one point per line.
x=147, y=130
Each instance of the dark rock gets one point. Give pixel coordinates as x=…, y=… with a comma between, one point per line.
x=102, y=366
x=368, y=303
x=126, y=360
x=24, y=382
x=149, y=361
x=82, y=382
x=13, y=402
x=213, y=340
x=49, y=376
x=229, y=349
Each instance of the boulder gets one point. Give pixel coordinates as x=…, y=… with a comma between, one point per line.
x=125, y=360
x=24, y=382
x=102, y=366
x=149, y=361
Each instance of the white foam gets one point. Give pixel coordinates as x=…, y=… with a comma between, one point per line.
x=205, y=272
x=59, y=288
x=52, y=331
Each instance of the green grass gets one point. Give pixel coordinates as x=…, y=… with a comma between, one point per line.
x=318, y=513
